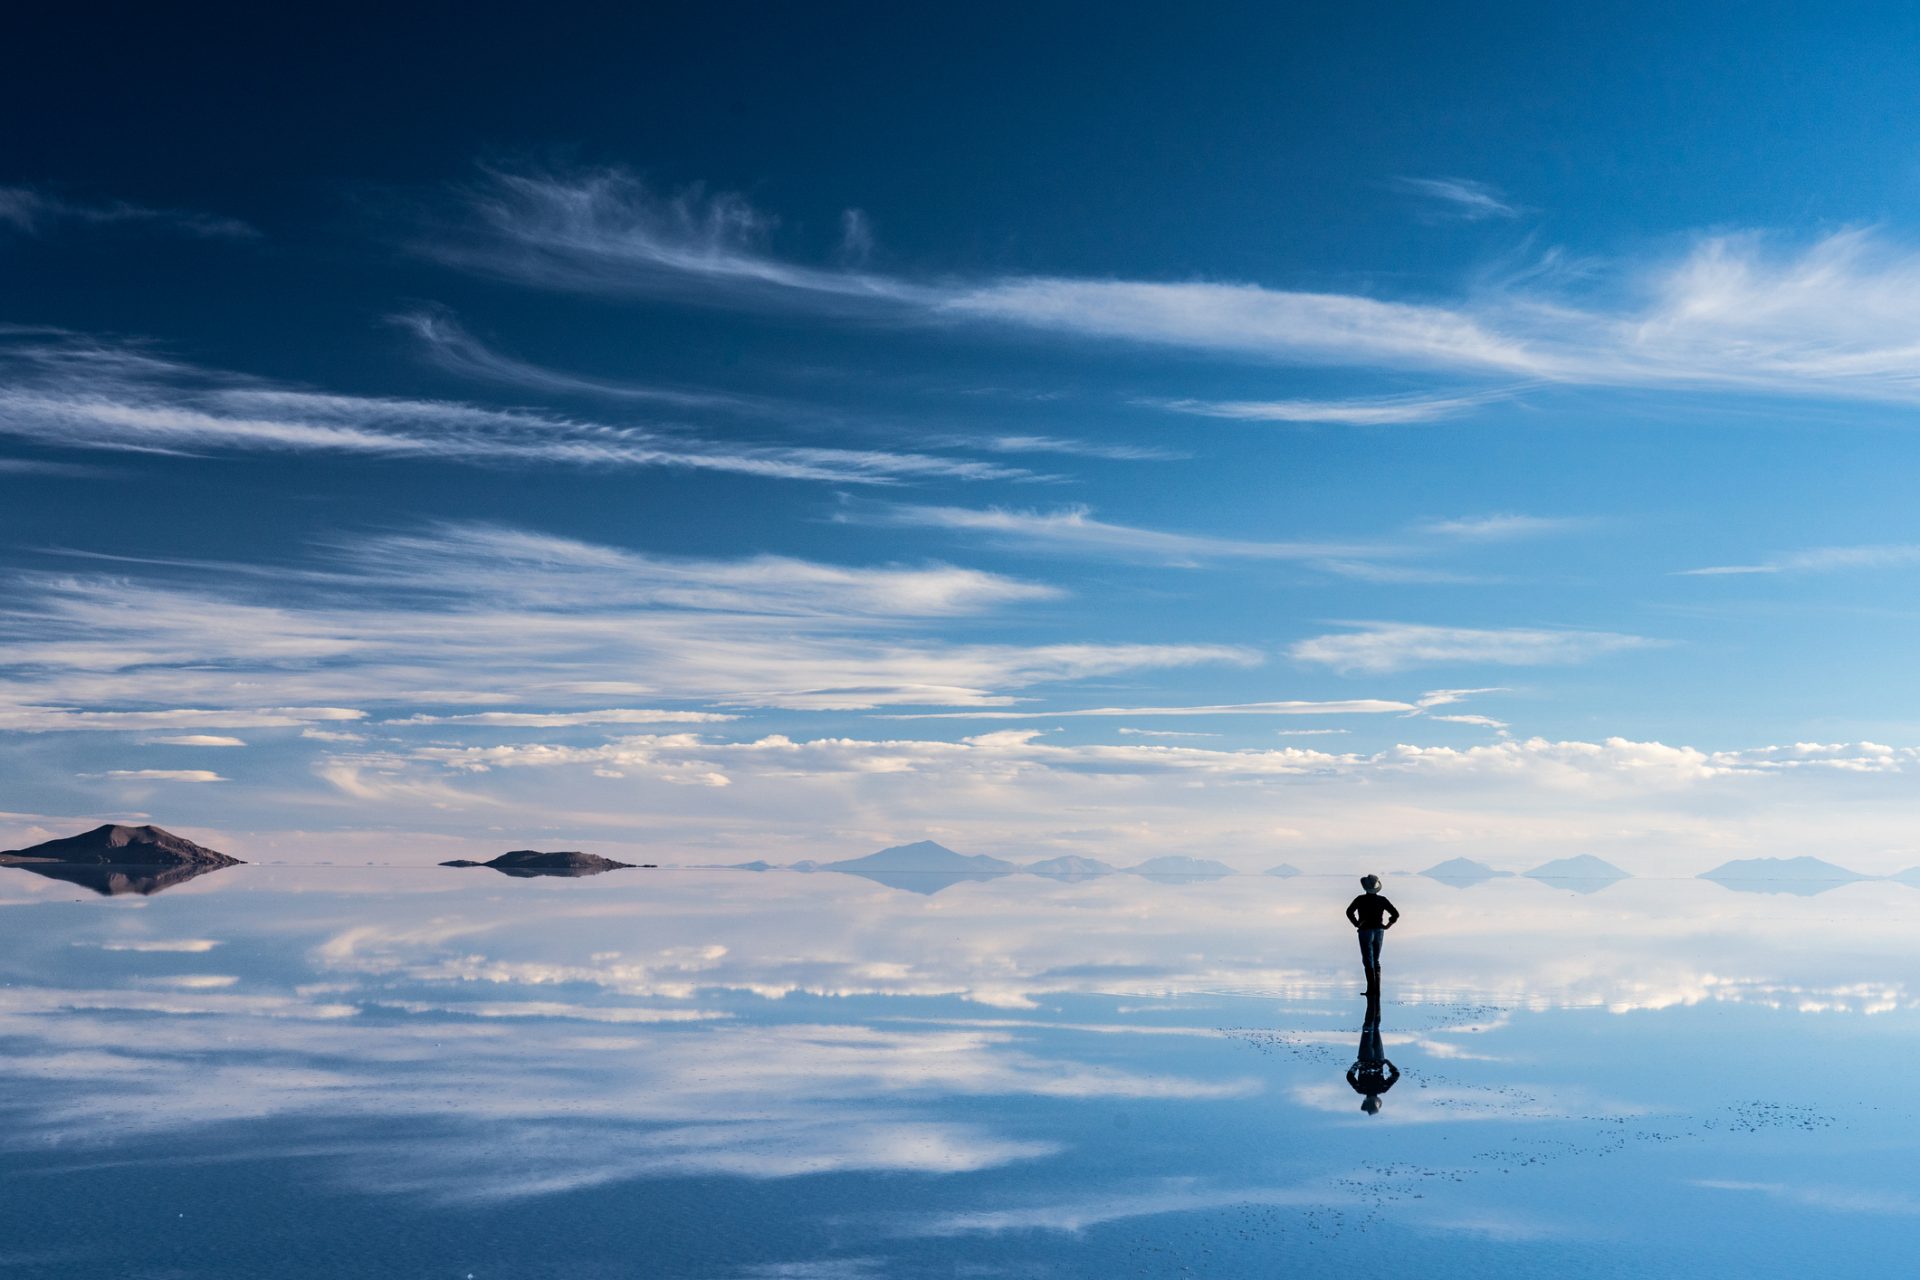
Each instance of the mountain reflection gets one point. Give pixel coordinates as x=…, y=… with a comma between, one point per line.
x=113, y=881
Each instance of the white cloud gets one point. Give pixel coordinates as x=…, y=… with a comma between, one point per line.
x=166, y=775
x=1342, y=707
x=1838, y=315
x=466, y=614
x=1248, y=320
x=1823, y=560
x=1382, y=647
x=188, y=946
x=1361, y=413
x=1502, y=527
x=451, y=347
x=36, y=211
x=28, y=718
x=568, y=719
x=1484, y=722
x=80, y=395
x=1074, y=528
x=198, y=740
x=1462, y=198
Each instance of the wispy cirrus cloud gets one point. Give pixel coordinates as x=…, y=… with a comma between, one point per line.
x=76, y=393
x=538, y=630
x=27, y=717
x=165, y=775
x=1388, y=411
x=1338, y=707
x=1074, y=529
x=37, y=211
x=1832, y=315
x=448, y=344
x=1462, y=199
x=1502, y=527
x=1375, y=648
x=1821, y=560
x=570, y=719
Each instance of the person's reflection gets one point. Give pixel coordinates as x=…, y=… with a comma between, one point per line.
x=1371, y=1075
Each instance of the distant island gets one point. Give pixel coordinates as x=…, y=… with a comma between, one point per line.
x=116, y=859
x=1285, y=869
x=1463, y=872
x=535, y=862
x=921, y=867
x=1582, y=873
x=1802, y=875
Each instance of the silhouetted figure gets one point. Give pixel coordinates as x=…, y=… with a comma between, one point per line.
x=1372, y=915
x=1371, y=1074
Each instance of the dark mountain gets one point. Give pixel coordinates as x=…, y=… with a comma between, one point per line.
x=922, y=867
x=1175, y=868
x=758, y=864
x=1801, y=875
x=1463, y=872
x=1582, y=873
x=534, y=862
x=1070, y=867
x=122, y=846
x=1284, y=869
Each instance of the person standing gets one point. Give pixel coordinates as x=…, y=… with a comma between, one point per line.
x=1371, y=915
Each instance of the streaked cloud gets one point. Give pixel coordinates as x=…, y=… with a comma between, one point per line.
x=1461, y=198
x=1376, y=648
x=1346, y=707
x=1821, y=560
x=1361, y=413
x=535, y=629
x=24, y=717
x=1833, y=315
x=198, y=740
x=1075, y=529
x=1503, y=527
x=570, y=719
x=448, y=344
x=78, y=394
x=38, y=211
x=165, y=775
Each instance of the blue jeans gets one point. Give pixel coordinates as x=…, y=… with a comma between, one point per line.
x=1370, y=947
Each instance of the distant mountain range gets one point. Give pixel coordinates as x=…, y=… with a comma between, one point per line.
x=1070, y=867
x=926, y=866
x=1177, y=867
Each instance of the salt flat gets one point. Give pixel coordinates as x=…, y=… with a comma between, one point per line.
x=717, y=1073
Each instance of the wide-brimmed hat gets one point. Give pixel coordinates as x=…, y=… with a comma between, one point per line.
x=1369, y=883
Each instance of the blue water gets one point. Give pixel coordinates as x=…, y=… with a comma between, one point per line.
x=382, y=1071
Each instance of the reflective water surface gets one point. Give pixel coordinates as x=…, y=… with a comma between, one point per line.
x=426, y=1072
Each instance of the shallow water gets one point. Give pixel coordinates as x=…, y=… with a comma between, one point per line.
x=377, y=1071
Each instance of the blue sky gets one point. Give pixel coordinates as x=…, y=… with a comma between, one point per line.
x=1271, y=435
